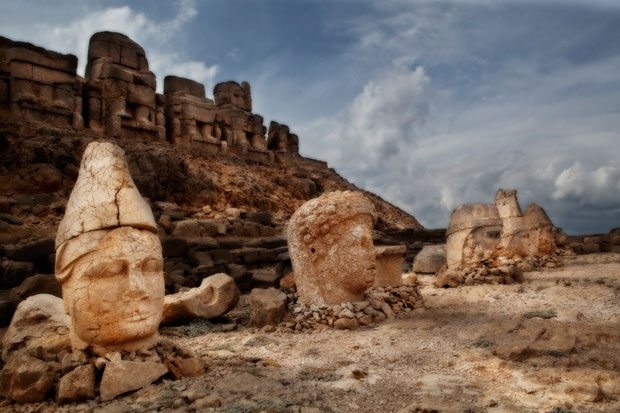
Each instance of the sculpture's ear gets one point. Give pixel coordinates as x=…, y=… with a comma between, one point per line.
x=62, y=268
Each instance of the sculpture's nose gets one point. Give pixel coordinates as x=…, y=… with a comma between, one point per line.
x=136, y=284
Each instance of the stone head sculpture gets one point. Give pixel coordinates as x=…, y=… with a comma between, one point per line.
x=109, y=258
x=331, y=249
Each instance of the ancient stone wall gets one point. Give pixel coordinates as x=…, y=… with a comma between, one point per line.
x=118, y=98
x=39, y=85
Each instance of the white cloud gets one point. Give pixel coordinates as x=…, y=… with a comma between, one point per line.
x=491, y=118
x=600, y=186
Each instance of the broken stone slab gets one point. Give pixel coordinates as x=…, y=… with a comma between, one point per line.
x=430, y=260
x=77, y=385
x=389, y=262
x=267, y=306
x=216, y=295
x=123, y=376
x=39, y=327
x=26, y=379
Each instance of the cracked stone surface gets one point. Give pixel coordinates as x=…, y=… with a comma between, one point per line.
x=109, y=258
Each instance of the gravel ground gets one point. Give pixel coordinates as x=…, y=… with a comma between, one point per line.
x=550, y=344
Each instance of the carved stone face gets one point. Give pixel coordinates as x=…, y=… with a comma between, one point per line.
x=114, y=291
x=348, y=263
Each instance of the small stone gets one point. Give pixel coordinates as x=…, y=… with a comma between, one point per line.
x=346, y=313
x=365, y=320
x=267, y=306
x=387, y=310
x=190, y=367
x=77, y=385
x=360, y=305
x=71, y=360
x=211, y=401
x=346, y=324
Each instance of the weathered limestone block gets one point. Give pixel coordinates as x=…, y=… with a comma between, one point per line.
x=267, y=306
x=216, y=295
x=109, y=258
x=389, y=265
x=123, y=376
x=331, y=249
x=233, y=93
x=39, y=327
x=430, y=260
x=26, y=379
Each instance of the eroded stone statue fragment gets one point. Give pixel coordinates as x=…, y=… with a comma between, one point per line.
x=492, y=235
x=331, y=249
x=109, y=258
x=216, y=295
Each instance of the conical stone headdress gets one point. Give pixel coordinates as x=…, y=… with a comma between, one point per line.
x=104, y=196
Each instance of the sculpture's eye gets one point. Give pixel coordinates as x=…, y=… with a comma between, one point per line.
x=114, y=268
x=107, y=269
x=152, y=265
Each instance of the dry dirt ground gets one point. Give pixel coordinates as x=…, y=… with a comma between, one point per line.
x=551, y=344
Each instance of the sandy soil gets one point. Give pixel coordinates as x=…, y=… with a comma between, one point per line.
x=551, y=344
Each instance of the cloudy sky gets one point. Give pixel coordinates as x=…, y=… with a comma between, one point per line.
x=430, y=104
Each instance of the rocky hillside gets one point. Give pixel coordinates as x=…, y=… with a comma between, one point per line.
x=39, y=165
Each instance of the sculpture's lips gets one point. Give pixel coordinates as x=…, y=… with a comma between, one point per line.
x=138, y=315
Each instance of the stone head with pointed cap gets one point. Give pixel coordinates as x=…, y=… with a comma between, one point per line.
x=109, y=258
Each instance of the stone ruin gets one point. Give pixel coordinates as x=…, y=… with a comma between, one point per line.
x=39, y=85
x=495, y=242
x=118, y=98
x=109, y=263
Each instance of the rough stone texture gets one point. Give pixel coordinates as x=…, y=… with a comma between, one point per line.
x=39, y=85
x=109, y=258
x=77, y=385
x=26, y=379
x=331, y=249
x=216, y=295
x=233, y=93
x=430, y=260
x=482, y=237
x=267, y=306
x=123, y=376
x=39, y=327
x=389, y=261
x=280, y=139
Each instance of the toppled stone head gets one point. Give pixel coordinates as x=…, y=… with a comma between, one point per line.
x=109, y=258
x=331, y=249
